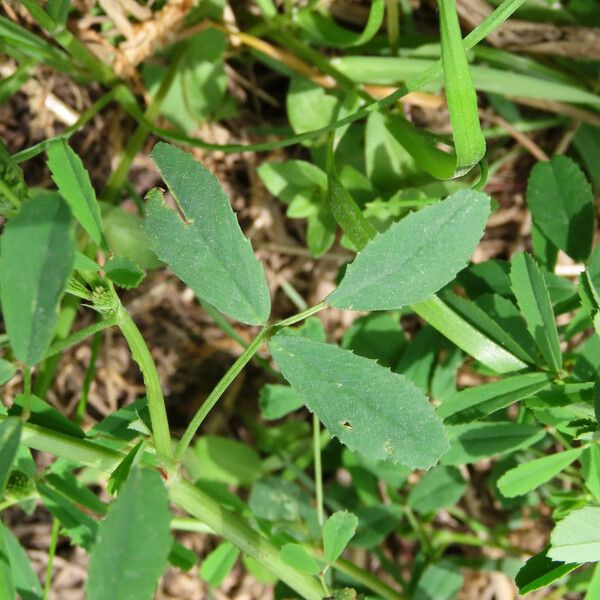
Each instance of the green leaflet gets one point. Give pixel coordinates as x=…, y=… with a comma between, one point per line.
x=530, y=475
x=218, y=563
x=374, y=412
x=10, y=436
x=322, y=29
x=416, y=256
x=481, y=400
x=7, y=584
x=133, y=542
x=338, y=530
x=296, y=556
x=25, y=579
x=123, y=272
x=441, y=580
x=442, y=486
x=469, y=142
x=37, y=252
x=562, y=205
x=208, y=252
x=533, y=299
x=74, y=185
x=576, y=539
x=7, y=370
x=277, y=400
x=540, y=571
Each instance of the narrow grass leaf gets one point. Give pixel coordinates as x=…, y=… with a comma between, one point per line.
x=37, y=251
x=528, y=476
x=416, y=256
x=208, y=252
x=26, y=581
x=133, y=542
x=74, y=184
x=338, y=530
x=374, y=412
x=217, y=565
x=576, y=539
x=562, y=205
x=533, y=299
x=10, y=436
x=481, y=400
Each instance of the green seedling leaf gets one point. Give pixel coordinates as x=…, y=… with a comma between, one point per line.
x=45, y=415
x=121, y=473
x=415, y=257
x=124, y=272
x=481, y=400
x=441, y=487
x=540, y=571
x=7, y=370
x=576, y=539
x=37, y=251
x=338, y=530
x=533, y=299
x=217, y=565
x=209, y=252
x=10, y=436
x=474, y=441
x=562, y=205
x=296, y=556
x=276, y=401
x=373, y=411
x=439, y=581
x=528, y=476
x=74, y=184
x=24, y=577
x=133, y=542
x=126, y=237
x=220, y=459
x=181, y=557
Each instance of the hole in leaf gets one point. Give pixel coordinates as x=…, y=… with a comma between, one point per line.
x=346, y=425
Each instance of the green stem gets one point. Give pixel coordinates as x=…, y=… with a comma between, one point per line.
x=368, y=580
x=318, y=470
x=156, y=402
x=89, y=377
x=217, y=392
x=414, y=523
x=81, y=335
x=313, y=310
x=26, y=392
x=392, y=22
x=51, y=554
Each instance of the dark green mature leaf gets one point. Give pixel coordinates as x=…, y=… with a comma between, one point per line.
x=562, y=205
x=133, y=542
x=338, y=530
x=25, y=579
x=373, y=411
x=416, y=256
x=124, y=272
x=121, y=472
x=10, y=436
x=375, y=523
x=218, y=563
x=481, y=400
x=181, y=557
x=442, y=486
x=540, y=571
x=532, y=296
x=577, y=537
x=528, y=476
x=473, y=441
x=37, y=251
x=45, y=415
x=208, y=251
x=74, y=184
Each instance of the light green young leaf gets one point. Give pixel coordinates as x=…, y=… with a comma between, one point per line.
x=576, y=539
x=533, y=299
x=133, y=542
x=528, y=476
x=481, y=400
x=74, y=184
x=292, y=180
x=10, y=436
x=562, y=205
x=218, y=563
x=338, y=530
x=37, y=251
x=208, y=252
x=416, y=256
x=296, y=556
x=442, y=486
x=373, y=411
